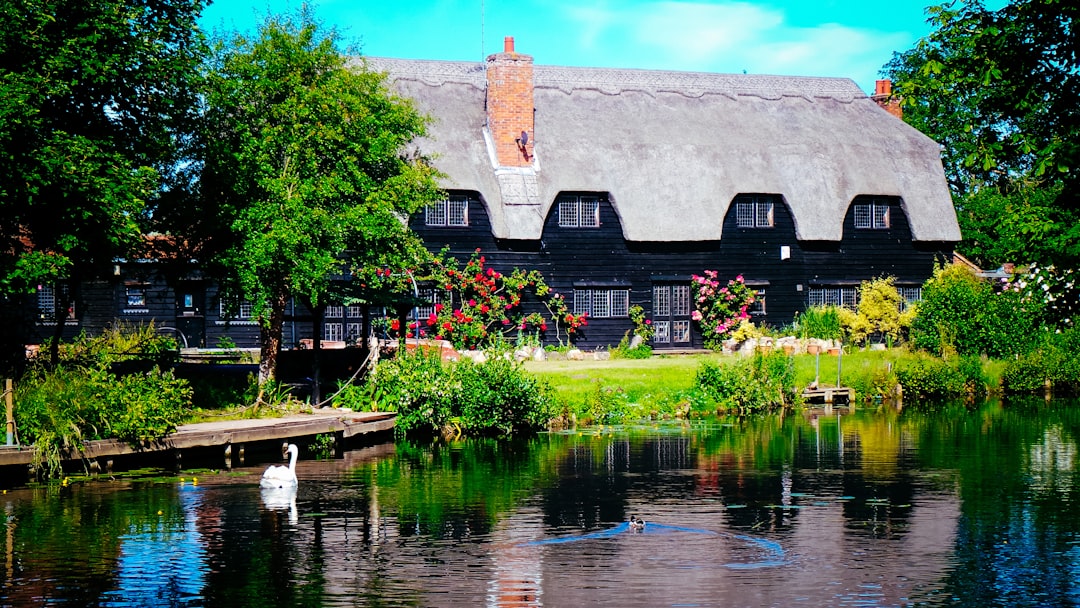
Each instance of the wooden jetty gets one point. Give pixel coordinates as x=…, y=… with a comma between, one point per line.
x=829, y=394
x=226, y=435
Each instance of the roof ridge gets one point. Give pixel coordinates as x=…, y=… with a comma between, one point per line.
x=616, y=80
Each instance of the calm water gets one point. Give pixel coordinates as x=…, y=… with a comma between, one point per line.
x=972, y=507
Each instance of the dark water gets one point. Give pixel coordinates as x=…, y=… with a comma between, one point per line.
x=966, y=507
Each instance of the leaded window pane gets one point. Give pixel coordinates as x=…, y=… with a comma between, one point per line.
x=680, y=331
x=764, y=213
x=680, y=296
x=435, y=215
x=355, y=311
x=601, y=303
x=332, y=333
x=590, y=211
x=744, y=215
x=568, y=214
x=457, y=211
x=661, y=301
x=352, y=332
x=661, y=332
x=620, y=302
x=582, y=301
x=863, y=216
x=881, y=215
x=335, y=312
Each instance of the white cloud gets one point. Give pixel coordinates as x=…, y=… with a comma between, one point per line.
x=725, y=37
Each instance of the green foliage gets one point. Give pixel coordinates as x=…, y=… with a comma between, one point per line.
x=642, y=323
x=718, y=309
x=963, y=314
x=754, y=384
x=495, y=397
x=1055, y=364
x=878, y=316
x=624, y=351
x=930, y=378
x=304, y=154
x=58, y=410
x=607, y=405
x=95, y=99
x=822, y=322
x=996, y=88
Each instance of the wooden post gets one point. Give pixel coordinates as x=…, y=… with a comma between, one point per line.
x=9, y=401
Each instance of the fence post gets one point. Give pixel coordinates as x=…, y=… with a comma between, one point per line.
x=9, y=401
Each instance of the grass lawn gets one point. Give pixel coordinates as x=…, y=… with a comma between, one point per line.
x=660, y=383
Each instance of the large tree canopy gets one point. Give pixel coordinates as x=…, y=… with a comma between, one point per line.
x=304, y=153
x=95, y=99
x=1000, y=90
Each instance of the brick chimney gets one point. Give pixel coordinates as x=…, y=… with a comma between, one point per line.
x=884, y=98
x=510, y=105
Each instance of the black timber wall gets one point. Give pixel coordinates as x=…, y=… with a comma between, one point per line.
x=601, y=256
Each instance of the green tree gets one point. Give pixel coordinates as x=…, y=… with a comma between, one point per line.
x=999, y=90
x=95, y=100
x=304, y=150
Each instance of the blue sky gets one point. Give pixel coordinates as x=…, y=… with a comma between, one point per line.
x=846, y=38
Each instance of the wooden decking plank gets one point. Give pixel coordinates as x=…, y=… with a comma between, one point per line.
x=225, y=432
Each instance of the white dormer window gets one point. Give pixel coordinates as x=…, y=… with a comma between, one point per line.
x=754, y=212
x=579, y=211
x=872, y=215
x=453, y=212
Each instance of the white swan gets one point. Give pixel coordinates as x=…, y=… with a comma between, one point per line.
x=280, y=476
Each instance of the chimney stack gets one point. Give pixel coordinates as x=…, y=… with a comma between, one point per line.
x=884, y=98
x=510, y=105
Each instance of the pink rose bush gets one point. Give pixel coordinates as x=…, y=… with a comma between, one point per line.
x=719, y=308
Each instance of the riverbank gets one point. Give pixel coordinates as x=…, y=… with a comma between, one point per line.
x=660, y=385
x=230, y=438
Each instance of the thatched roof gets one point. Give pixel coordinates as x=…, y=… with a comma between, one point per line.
x=673, y=149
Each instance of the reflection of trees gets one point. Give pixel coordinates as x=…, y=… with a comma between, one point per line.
x=1020, y=505
x=68, y=540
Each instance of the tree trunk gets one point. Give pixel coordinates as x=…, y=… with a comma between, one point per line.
x=270, y=338
x=63, y=299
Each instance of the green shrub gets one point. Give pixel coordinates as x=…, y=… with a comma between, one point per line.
x=962, y=314
x=624, y=350
x=60, y=409
x=495, y=397
x=822, y=322
x=1055, y=362
x=758, y=383
x=929, y=378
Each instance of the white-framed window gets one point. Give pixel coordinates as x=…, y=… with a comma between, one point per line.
x=579, y=211
x=332, y=332
x=847, y=297
x=352, y=332
x=243, y=311
x=680, y=300
x=354, y=311
x=680, y=331
x=602, y=303
x=662, y=332
x=432, y=296
x=754, y=211
x=453, y=211
x=909, y=296
x=757, y=307
x=335, y=312
x=46, y=303
x=135, y=296
x=873, y=214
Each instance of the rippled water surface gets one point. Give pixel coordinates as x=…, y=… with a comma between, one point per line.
x=962, y=506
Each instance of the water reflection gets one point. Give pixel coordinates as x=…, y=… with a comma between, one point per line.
x=870, y=508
